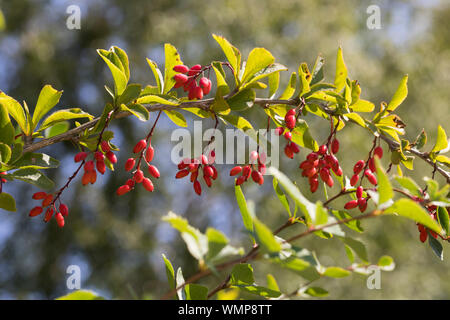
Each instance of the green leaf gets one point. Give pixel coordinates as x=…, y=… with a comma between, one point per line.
x=48, y=98
x=421, y=139
x=441, y=141
x=274, y=83
x=272, y=283
x=357, y=246
x=354, y=224
x=222, y=86
x=384, y=186
x=260, y=291
x=33, y=176
x=265, y=237
x=341, y=71
x=303, y=73
x=117, y=70
x=317, y=73
x=409, y=209
x=81, y=295
x=242, y=274
x=409, y=184
x=258, y=59
x=6, y=128
x=290, y=88
x=301, y=135
x=5, y=153
x=308, y=208
x=232, y=53
x=169, y=272
x=64, y=115
x=443, y=218
x=121, y=54
x=274, y=68
x=36, y=161
x=399, y=95
x=7, y=202
x=138, y=110
x=57, y=129
x=356, y=118
x=336, y=272
x=321, y=215
x=216, y=242
x=245, y=213
x=195, y=292
x=158, y=75
x=164, y=99
x=316, y=292
x=16, y=111
x=436, y=246
x=172, y=58
x=176, y=118
x=130, y=94
x=220, y=105
x=281, y=196
x=239, y=122
x=242, y=100
x=386, y=263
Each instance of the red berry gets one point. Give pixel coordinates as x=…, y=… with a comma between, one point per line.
x=86, y=178
x=183, y=163
x=99, y=156
x=63, y=209
x=372, y=179
x=129, y=164
x=246, y=171
x=215, y=173
x=324, y=174
x=358, y=166
x=130, y=183
x=351, y=204
x=288, y=151
x=39, y=195
x=313, y=185
x=322, y=149
x=335, y=146
x=294, y=147
x=182, y=174
x=194, y=70
x=197, y=187
x=290, y=122
x=101, y=167
x=181, y=68
x=207, y=180
x=378, y=152
x=208, y=171
x=89, y=166
x=257, y=177
x=423, y=236
x=372, y=165
x=149, y=153
x=290, y=113
x=140, y=146
x=47, y=200
x=59, y=220
x=138, y=176
x=354, y=179
x=148, y=184
x=203, y=159
x=262, y=168
x=236, y=170
x=205, y=84
x=362, y=203
x=194, y=176
x=35, y=211
x=92, y=176
x=240, y=180
x=198, y=92
x=48, y=214
x=288, y=135
x=123, y=189
x=80, y=156
x=180, y=79
x=279, y=131
x=359, y=192
x=337, y=171
x=105, y=146
x=253, y=156
x=111, y=157
x=312, y=157
x=153, y=171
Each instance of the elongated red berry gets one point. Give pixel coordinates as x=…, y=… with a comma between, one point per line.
x=47, y=200
x=92, y=176
x=194, y=70
x=262, y=168
x=354, y=179
x=423, y=236
x=138, y=176
x=372, y=165
x=129, y=164
x=362, y=204
x=378, y=152
x=154, y=171
x=288, y=135
x=215, y=173
x=323, y=149
x=98, y=156
x=358, y=166
x=105, y=146
x=246, y=171
x=89, y=166
x=111, y=157
x=149, y=153
x=208, y=171
x=288, y=151
x=253, y=156
x=48, y=214
x=181, y=68
x=182, y=174
x=324, y=174
x=198, y=92
x=313, y=156
x=35, y=211
x=86, y=178
x=205, y=84
x=123, y=189
x=207, y=180
x=335, y=146
x=140, y=145
x=39, y=195
x=313, y=185
x=180, y=78
x=236, y=170
x=294, y=147
x=148, y=184
x=101, y=167
x=192, y=95
x=351, y=204
x=290, y=122
x=290, y=113
x=59, y=219
x=359, y=192
x=240, y=180
x=197, y=187
x=257, y=177
x=130, y=183
x=372, y=179
x=80, y=156
x=64, y=210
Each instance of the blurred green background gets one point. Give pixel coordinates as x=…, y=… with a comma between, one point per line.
x=118, y=242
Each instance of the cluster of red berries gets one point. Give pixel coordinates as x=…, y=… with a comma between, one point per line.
x=48, y=202
x=193, y=166
x=143, y=151
x=360, y=201
x=256, y=169
x=368, y=172
x=319, y=164
x=187, y=78
x=290, y=120
x=97, y=164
